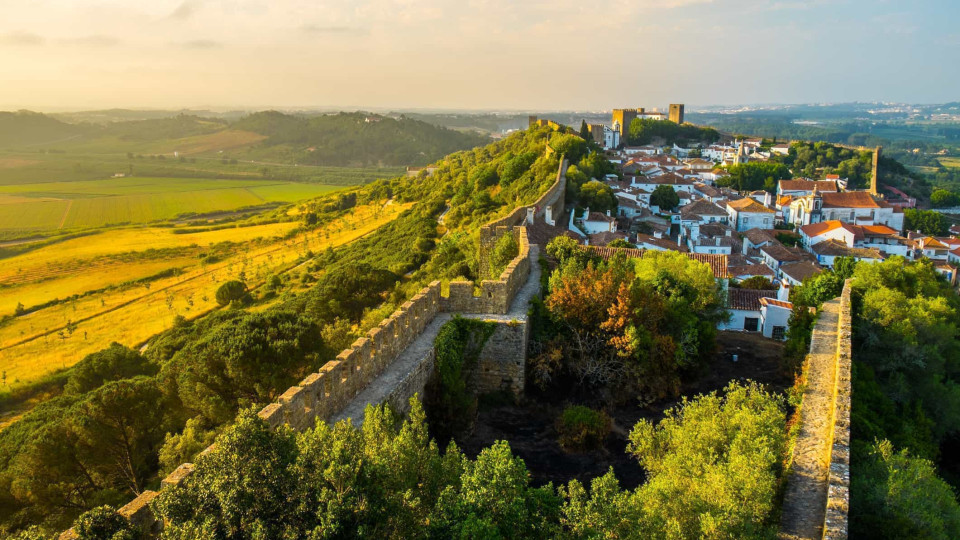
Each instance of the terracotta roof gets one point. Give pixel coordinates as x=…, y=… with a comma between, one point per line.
x=849, y=199
x=779, y=253
x=659, y=242
x=784, y=200
x=823, y=186
x=758, y=236
x=836, y=248
x=751, y=270
x=746, y=299
x=717, y=263
x=702, y=207
x=749, y=205
x=800, y=271
x=605, y=237
x=775, y=302
x=597, y=216
x=816, y=229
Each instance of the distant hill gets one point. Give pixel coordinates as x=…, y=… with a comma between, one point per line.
x=175, y=127
x=347, y=139
x=25, y=128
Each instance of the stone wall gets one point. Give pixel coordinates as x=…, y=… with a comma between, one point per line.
x=838, y=492
x=322, y=394
x=501, y=364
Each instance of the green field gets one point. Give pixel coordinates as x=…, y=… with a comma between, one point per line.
x=952, y=162
x=50, y=206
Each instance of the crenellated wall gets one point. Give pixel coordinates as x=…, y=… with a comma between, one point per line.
x=323, y=394
x=838, y=491
x=817, y=496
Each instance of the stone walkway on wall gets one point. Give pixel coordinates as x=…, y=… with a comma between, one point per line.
x=804, y=505
x=408, y=361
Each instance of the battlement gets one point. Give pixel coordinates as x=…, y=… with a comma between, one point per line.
x=322, y=394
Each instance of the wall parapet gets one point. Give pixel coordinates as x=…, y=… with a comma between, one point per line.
x=838, y=491
x=322, y=394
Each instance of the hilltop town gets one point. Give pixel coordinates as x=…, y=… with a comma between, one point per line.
x=775, y=237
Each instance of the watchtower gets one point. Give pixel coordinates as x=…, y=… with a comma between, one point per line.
x=624, y=117
x=676, y=113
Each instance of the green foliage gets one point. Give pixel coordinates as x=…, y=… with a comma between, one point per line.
x=644, y=131
x=755, y=175
x=942, y=198
x=650, y=319
x=582, y=428
x=231, y=291
x=897, y=495
x=244, y=361
x=103, y=523
x=597, y=196
x=906, y=348
x=664, y=197
x=757, y=282
x=807, y=159
x=348, y=139
x=928, y=222
x=113, y=363
x=505, y=250
x=713, y=465
x=457, y=346
x=570, y=146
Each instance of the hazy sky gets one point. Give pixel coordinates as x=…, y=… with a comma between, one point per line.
x=494, y=54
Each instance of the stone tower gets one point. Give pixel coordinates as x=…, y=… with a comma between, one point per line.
x=875, y=173
x=624, y=117
x=676, y=113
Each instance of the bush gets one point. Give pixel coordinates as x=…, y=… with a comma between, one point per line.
x=582, y=428
x=231, y=291
x=103, y=523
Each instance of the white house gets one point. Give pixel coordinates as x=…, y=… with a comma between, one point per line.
x=775, y=317
x=748, y=214
x=744, y=308
x=595, y=222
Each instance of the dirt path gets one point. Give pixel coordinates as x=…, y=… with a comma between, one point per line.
x=804, y=505
x=66, y=212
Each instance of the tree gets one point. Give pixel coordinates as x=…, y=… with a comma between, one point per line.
x=504, y=250
x=757, y=282
x=103, y=523
x=584, y=130
x=597, y=196
x=928, y=222
x=113, y=363
x=900, y=496
x=712, y=465
x=942, y=198
x=665, y=198
x=244, y=361
x=231, y=291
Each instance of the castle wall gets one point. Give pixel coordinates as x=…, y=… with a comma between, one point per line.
x=321, y=395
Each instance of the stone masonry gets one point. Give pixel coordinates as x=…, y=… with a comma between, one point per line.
x=817, y=496
x=394, y=360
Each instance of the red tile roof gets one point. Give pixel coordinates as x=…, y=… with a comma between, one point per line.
x=849, y=199
x=747, y=299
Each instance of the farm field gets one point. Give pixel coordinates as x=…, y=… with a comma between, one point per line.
x=93, y=262
x=48, y=206
x=38, y=343
x=952, y=162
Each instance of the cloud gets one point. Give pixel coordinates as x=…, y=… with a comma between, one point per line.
x=185, y=10
x=22, y=38
x=321, y=30
x=201, y=44
x=96, y=40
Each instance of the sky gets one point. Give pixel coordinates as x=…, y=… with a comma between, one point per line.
x=474, y=54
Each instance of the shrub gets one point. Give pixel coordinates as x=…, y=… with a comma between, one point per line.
x=231, y=291
x=103, y=523
x=582, y=428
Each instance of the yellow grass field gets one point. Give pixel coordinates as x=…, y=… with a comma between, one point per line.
x=952, y=162
x=38, y=343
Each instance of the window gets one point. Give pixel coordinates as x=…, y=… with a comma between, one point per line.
x=779, y=333
x=750, y=324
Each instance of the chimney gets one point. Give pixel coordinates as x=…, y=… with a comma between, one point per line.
x=608, y=213
x=784, y=293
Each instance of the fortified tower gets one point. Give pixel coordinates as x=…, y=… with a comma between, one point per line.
x=874, y=177
x=676, y=113
x=624, y=117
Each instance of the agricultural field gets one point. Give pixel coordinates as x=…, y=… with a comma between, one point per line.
x=50, y=206
x=951, y=162
x=56, y=337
